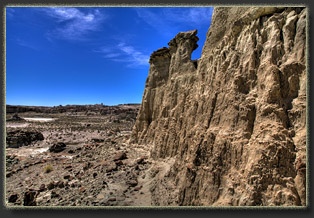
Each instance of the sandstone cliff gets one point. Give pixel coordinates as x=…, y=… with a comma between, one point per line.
x=231, y=126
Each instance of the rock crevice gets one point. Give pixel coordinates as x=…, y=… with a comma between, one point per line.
x=234, y=120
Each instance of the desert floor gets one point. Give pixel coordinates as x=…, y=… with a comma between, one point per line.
x=97, y=168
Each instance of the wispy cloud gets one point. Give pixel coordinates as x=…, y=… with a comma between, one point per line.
x=137, y=57
x=9, y=12
x=73, y=23
x=125, y=53
x=170, y=19
x=156, y=21
x=113, y=55
x=194, y=15
x=23, y=43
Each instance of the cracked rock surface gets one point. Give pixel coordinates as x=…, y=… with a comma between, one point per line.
x=231, y=126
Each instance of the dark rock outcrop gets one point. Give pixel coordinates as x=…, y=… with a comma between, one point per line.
x=58, y=147
x=13, y=198
x=30, y=198
x=20, y=138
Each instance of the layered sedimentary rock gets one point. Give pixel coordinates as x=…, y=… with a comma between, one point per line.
x=234, y=121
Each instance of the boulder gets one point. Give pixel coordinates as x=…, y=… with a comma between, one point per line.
x=111, y=167
x=42, y=188
x=58, y=147
x=13, y=198
x=97, y=140
x=18, y=138
x=54, y=194
x=51, y=185
x=120, y=156
x=30, y=198
x=132, y=183
x=141, y=160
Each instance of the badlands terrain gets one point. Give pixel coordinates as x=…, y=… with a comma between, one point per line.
x=97, y=167
x=228, y=129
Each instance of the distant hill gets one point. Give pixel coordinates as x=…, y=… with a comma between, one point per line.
x=102, y=109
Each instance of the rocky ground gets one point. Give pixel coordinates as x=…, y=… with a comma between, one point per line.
x=228, y=129
x=97, y=167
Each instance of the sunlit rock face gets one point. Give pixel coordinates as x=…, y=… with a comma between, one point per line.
x=234, y=121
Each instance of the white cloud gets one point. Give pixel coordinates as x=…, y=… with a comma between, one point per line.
x=73, y=23
x=134, y=57
x=124, y=53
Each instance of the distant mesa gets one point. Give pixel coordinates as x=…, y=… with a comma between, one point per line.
x=16, y=117
x=96, y=108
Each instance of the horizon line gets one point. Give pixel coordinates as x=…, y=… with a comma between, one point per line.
x=71, y=105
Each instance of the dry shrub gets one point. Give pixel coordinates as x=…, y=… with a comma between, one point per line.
x=48, y=169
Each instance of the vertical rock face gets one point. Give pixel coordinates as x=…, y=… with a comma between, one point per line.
x=234, y=121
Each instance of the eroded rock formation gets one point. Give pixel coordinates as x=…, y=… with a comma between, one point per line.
x=19, y=138
x=232, y=125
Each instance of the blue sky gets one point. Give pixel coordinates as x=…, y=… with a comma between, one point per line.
x=89, y=55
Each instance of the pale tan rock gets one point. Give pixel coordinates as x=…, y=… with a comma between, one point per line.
x=234, y=121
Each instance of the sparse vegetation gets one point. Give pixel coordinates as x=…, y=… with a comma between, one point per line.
x=48, y=169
